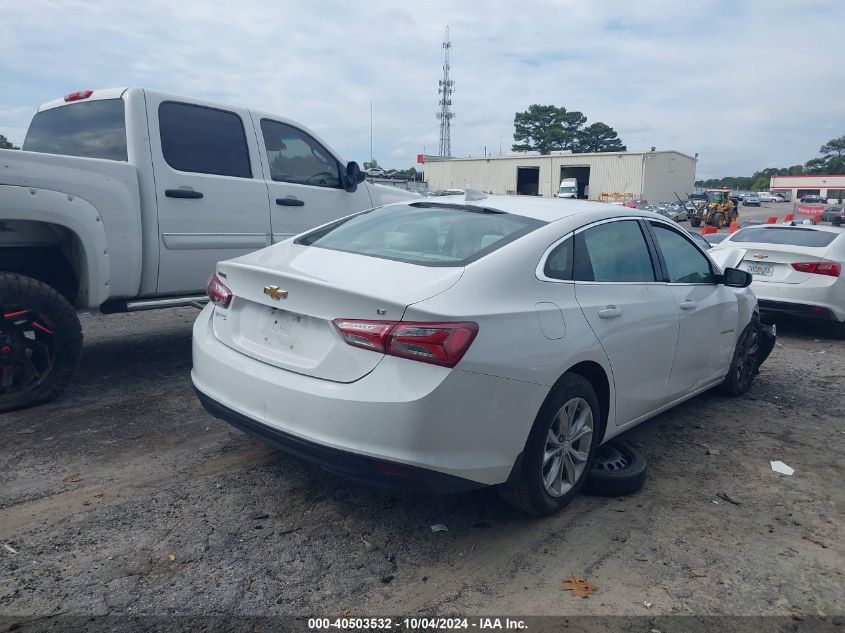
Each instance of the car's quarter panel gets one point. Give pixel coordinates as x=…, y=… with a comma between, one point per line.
x=203, y=217
x=460, y=423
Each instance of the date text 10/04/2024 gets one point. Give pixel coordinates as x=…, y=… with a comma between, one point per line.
x=415, y=623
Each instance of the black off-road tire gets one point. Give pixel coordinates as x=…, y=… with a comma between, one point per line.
x=718, y=220
x=737, y=382
x=695, y=222
x=21, y=292
x=617, y=470
x=527, y=491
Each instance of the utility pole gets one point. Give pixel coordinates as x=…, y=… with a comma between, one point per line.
x=445, y=89
x=371, y=132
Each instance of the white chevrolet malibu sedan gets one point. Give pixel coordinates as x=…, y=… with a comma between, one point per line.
x=460, y=342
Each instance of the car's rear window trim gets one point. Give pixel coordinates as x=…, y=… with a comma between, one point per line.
x=531, y=225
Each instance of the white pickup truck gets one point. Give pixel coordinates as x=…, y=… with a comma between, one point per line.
x=125, y=199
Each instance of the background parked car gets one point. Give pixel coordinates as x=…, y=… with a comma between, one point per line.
x=832, y=212
x=751, y=200
x=813, y=198
x=797, y=270
x=771, y=197
x=673, y=212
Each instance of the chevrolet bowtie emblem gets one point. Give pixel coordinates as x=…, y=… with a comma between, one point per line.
x=274, y=293
x=756, y=256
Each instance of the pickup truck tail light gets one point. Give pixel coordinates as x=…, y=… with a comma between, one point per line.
x=831, y=269
x=218, y=293
x=440, y=343
x=78, y=95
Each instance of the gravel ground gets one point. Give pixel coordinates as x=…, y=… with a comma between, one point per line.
x=126, y=498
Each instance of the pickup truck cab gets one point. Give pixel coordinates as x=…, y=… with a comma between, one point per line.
x=125, y=199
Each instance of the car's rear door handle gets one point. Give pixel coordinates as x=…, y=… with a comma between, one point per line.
x=610, y=312
x=182, y=193
x=687, y=304
x=290, y=202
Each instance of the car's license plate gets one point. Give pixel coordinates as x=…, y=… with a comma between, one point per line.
x=764, y=270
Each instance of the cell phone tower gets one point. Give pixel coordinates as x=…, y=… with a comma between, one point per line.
x=445, y=89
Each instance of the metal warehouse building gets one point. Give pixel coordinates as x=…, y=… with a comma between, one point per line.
x=655, y=175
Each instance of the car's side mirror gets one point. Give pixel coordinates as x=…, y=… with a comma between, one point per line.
x=353, y=176
x=736, y=278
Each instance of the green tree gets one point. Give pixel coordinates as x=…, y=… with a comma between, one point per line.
x=371, y=164
x=815, y=166
x=413, y=173
x=6, y=143
x=599, y=137
x=834, y=148
x=546, y=128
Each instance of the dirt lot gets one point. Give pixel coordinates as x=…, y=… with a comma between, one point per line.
x=125, y=497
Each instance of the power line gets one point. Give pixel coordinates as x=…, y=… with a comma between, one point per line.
x=445, y=89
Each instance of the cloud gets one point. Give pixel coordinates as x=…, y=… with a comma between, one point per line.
x=737, y=82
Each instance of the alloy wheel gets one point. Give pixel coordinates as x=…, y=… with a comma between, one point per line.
x=26, y=349
x=746, y=358
x=567, y=447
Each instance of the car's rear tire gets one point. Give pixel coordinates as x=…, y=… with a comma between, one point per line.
x=559, y=450
x=744, y=361
x=40, y=342
x=617, y=470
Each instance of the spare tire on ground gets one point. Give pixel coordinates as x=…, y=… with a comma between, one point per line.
x=618, y=469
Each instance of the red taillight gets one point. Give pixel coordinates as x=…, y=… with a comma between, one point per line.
x=436, y=343
x=831, y=269
x=78, y=95
x=365, y=334
x=218, y=293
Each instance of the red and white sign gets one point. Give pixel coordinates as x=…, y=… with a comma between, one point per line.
x=812, y=211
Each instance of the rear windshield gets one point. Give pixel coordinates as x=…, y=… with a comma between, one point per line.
x=92, y=129
x=792, y=236
x=423, y=233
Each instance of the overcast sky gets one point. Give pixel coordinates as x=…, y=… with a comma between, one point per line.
x=745, y=84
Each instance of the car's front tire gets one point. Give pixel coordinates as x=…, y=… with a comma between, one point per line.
x=559, y=450
x=744, y=361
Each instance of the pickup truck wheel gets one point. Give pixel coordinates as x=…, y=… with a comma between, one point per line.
x=40, y=342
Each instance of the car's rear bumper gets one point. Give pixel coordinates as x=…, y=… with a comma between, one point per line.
x=374, y=472
x=464, y=425
x=803, y=310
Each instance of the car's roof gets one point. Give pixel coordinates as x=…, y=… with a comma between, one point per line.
x=545, y=209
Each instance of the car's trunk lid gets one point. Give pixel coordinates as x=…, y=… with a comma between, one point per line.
x=313, y=287
x=772, y=263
